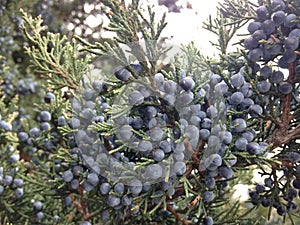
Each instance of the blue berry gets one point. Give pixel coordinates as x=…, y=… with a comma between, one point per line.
x=255, y=54
x=237, y=80
x=105, y=215
x=87, y=186
x=169, y=86
x=122, y=74
x=74, y=184
x=126, y=200
x=239, y=125
x=191, y=131
x=291, y=20
x=278, y=17
x=19, y=192
x=206, y=123
x=5, y=126
x=268, y=26
x=263, y=86
x=212, y=112
x=154, y=171
x=295, y=33
x=124, y=133
x=285, y=88
x=208, y=196
x=179, y=168
x=34, y=132
x=226, y=172
x=40, y=216
x=293, y=156
x=254, y=195
x=85, y=223
x=278, y=5
x=281, y=210
x=144, y=146
x=296, y=184
x=150, y=112
x=45, y=126
x=104, y=188
x=135, y=186
x=37, y=206
x=265, y=71
x=56, y=218
x=236, y=98
x=74, y=123
x=260, y=188
x=213, y=161
x=269, y=182
x=253, y=148
x=23, y=136
x=67, y=176
x=187, y=83
x=262, y=12
x=135, y=98
x=49, y=97
x=156, y=134
x=254, y=26
x=137, y=67
x=93, y=179
x=18, y=182
x=61, y=121
x=67, y=201
x=209, y=182
x=291, y=43
x=119, y=188
x=45, y=116
x=158, y=155
x=97, y=85
x=266, y=202
x=255, y=110
x=159, y=78
x=113, y=201
x=14, y=158
x=277, y=77
x=1, y=190
x=208, y=220
x=204, y=134
x=7, y=180
x=89, y=94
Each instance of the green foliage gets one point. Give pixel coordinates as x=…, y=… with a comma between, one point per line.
x=54, y=57
x=64, y=145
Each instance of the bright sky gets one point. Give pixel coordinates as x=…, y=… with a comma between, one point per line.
x=183, y=27
x=186, y=26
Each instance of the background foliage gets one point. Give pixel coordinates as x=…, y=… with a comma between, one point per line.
x=50, y=115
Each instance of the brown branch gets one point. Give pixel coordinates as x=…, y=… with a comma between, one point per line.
x=71, y=215
x=195, y=201
x=77, y=205
x=195, y=155
x=81, y=206
x=90, y=215
x=71, y=84
x=199, y=148
x=280, y=138
x=177, y=215
x=283, y=134
x=286, y=107
x=179, y=190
